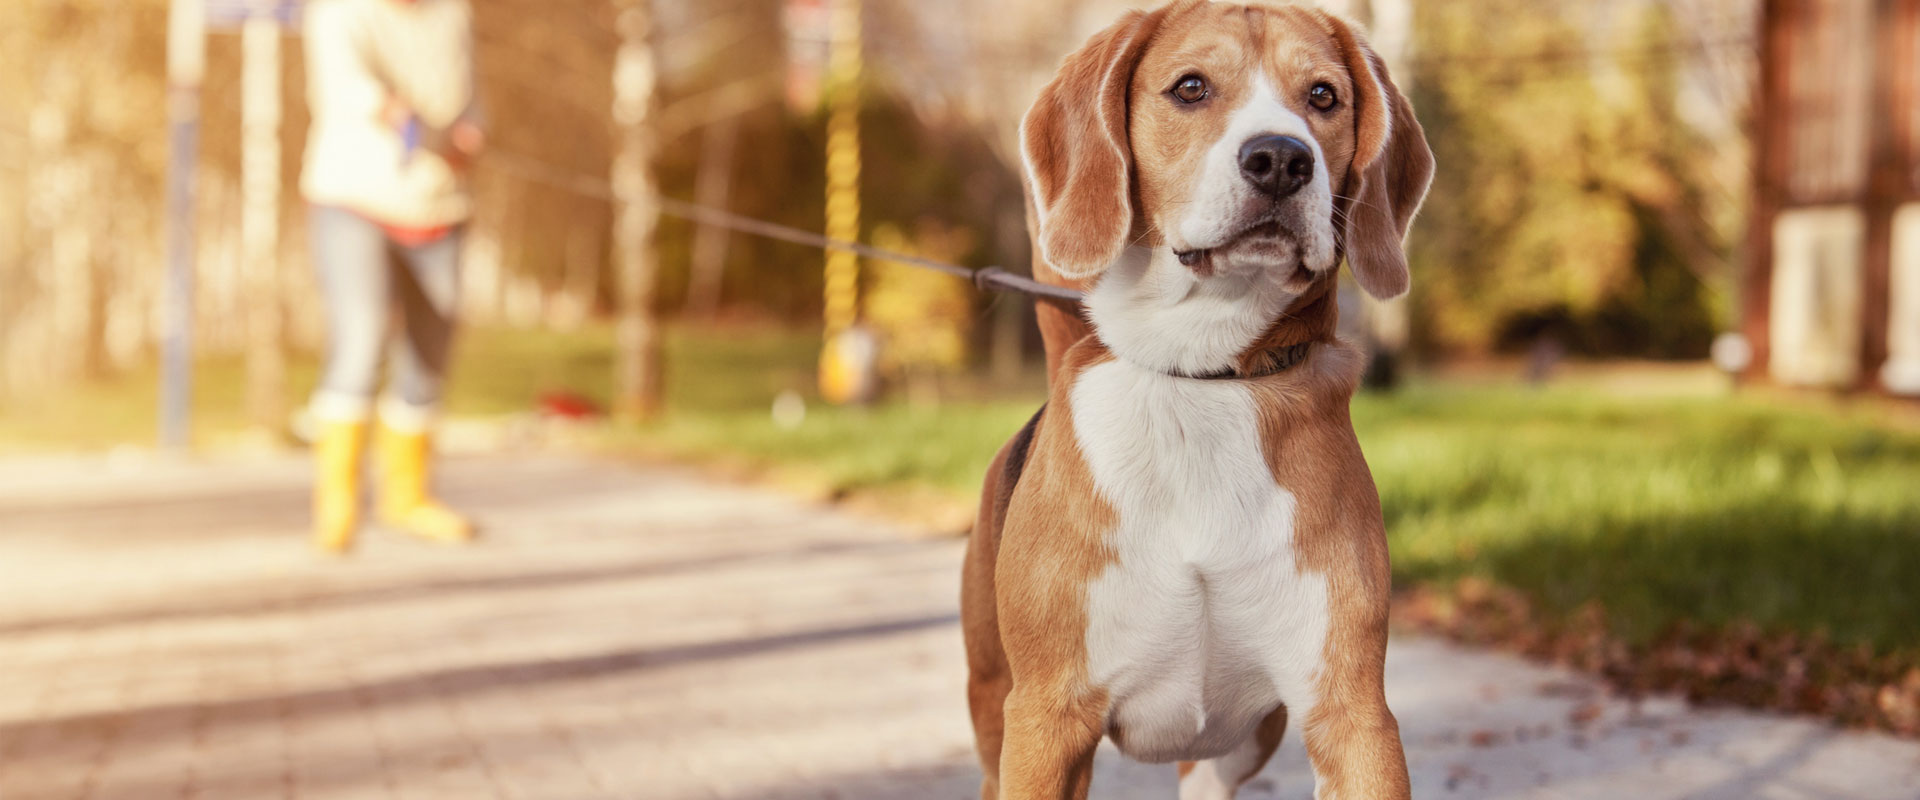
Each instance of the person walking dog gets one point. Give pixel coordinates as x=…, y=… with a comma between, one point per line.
x=396, y=126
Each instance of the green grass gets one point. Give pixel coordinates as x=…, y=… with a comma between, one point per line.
x=124, y=409
x=721, y=387
x=708, y=371
x=498, y=372
x=1715, y=510
x=1801, y=517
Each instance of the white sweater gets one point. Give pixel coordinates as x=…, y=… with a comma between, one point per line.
x=359, y=52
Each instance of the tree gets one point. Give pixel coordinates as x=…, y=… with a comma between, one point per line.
x=1571, y=194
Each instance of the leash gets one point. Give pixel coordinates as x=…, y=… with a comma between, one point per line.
x=992, y=279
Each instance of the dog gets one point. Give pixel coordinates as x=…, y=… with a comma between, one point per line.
x=1184, y=547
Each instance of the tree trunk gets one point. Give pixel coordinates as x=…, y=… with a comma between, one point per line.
x=639, y=379
x=260, y=220
x=186, y=66
x=713, y=188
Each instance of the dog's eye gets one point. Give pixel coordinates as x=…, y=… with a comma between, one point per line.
x=1190, y=89
x=1322, y=97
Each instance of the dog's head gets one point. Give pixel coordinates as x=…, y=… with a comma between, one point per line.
x=1245, y=142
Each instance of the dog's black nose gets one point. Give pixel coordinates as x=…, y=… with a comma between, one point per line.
x=1276, y=165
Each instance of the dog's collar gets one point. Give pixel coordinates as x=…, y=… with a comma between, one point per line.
x=1272, y=362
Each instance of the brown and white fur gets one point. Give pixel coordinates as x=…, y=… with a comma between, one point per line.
x=1183, y=563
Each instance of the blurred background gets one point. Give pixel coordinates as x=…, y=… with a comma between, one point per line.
x=1648, y=409
x=1617, y=181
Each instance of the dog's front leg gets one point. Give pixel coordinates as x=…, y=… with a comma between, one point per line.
x=1050, y=738
x=1353, y=740
x=1356, y=754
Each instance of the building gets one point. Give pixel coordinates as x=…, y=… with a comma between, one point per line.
x=1832, y=288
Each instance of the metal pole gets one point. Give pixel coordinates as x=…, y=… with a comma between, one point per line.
x=843, y=164
x=639, y=375
x=847, y=358
x=186, y=66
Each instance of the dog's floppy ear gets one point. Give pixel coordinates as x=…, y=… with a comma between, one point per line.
x=1392, y=167
x=1075, y=146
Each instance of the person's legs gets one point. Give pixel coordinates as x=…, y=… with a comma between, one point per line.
x=429, y=296
x=354, y=268
x=428, y=288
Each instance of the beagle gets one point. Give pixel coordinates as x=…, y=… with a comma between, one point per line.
x=1184, y=548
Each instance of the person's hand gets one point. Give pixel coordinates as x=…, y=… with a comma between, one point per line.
x=468, y=139
x=464, y=143
x=394, y=113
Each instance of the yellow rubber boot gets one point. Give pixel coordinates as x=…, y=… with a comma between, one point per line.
x=405, y=504
x=337, y=453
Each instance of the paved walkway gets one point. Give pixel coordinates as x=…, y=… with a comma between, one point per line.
x=640, y=634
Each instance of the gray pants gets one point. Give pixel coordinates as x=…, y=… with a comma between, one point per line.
x=365, y=277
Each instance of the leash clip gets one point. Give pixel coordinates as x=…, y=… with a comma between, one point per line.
x=983, y=278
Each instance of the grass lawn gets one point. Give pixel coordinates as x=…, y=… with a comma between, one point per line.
x=920, y=462
x=1714, y=510
x=721, y=387
x=1796, y=517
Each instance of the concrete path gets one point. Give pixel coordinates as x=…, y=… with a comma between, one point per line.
x=641, y=634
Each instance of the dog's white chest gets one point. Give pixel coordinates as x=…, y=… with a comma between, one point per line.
x=1205, y=623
